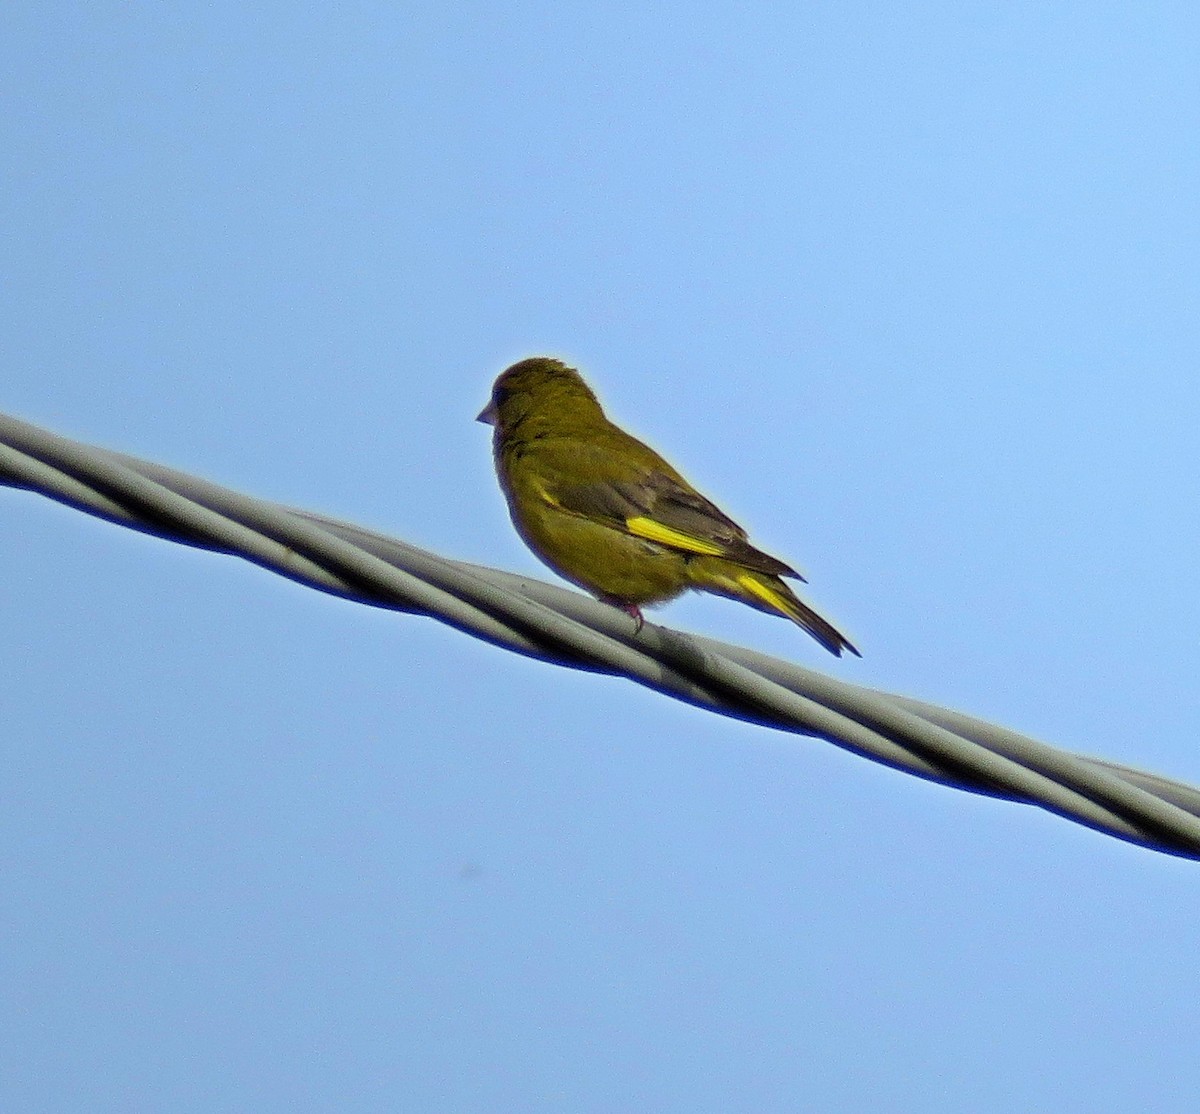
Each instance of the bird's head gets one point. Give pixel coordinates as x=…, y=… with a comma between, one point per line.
x=539, y=386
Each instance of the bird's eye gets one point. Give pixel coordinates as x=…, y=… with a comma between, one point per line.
x=502, y=393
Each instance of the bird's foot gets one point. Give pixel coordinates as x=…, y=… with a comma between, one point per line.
x=630, y=609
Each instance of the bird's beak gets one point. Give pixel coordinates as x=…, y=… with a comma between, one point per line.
x=488, y=414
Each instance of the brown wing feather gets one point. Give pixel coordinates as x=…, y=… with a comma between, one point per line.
x=659, y=496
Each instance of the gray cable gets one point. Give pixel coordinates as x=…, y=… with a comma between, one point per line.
x=557, y=625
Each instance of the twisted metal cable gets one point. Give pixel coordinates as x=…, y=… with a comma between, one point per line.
x=567, y=628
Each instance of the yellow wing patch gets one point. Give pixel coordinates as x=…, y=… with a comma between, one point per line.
x=647, y=528
x=541, y=490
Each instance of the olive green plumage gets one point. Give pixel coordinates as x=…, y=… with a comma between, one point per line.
x=608, y=513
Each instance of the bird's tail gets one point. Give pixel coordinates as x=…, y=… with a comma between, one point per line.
x=768, y=593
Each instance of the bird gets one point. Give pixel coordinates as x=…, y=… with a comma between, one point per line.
x=609, y=514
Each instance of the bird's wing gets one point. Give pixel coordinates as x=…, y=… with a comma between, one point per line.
x=660, y=508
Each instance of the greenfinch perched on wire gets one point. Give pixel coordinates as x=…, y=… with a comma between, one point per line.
x=609, y=514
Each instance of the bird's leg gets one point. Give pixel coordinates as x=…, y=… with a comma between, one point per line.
x=630, y=609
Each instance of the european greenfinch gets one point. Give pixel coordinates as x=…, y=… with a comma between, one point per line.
x=609, y=514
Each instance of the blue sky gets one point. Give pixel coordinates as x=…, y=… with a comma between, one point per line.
x=912, y=293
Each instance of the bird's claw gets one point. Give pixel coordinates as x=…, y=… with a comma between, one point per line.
x=630, y=609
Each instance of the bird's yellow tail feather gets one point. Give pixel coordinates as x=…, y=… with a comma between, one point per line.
x=767, y=593
x=777, y=596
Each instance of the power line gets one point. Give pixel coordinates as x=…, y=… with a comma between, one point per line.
x=567, y=628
